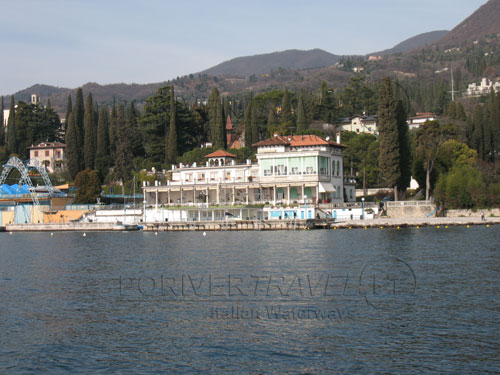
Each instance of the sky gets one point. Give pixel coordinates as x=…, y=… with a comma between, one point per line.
x=68, y=43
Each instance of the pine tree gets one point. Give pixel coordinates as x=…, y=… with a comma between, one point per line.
x=248, y=125
x=11, y=129
x=89, y=148
x=301, y=117
x=172, y=133
x=79, y=115
x=389, y=157
x=2, y=128
x=71, y=152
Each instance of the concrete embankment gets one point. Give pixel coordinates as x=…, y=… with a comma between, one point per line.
x=78, y=227
x=231, y=225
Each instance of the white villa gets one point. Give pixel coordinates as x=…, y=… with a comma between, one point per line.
x=301, y=169
x=359, y=124
x=484, y=88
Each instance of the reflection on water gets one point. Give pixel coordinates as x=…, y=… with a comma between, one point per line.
x=346, y=301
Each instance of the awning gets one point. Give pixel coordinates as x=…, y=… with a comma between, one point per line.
x=326, y=187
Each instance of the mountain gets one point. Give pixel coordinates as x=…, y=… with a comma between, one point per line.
x=479, y=25
x=418, y=41
x=260, y=64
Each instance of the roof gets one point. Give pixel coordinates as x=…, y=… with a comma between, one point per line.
x=220, y=154
x=296, y=141
x=48, y=145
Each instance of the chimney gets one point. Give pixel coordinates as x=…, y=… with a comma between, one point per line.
x=338, y=137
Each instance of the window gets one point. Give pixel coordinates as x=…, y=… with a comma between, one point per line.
x=323, y=165
x=36, y=154
x=310, y=165
x=46, y=152
x=294, y=165
x=267, y=167
x=338, y=168
x=58, y=154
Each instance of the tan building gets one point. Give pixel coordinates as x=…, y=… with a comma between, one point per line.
x=359, y=124
x=50, y=154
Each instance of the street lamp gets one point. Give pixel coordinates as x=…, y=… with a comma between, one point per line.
x=363, y=208
x=305, y=206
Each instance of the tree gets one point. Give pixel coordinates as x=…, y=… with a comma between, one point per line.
x=404, y=149
x=219, y=140
x=102, y=159
x=2, y=128
x=123, y=162
x=89, y=148
x=171, y=156
x=79, y=115
x=69, y=108
x=71, y=151
x=429, y=138
x=11, y=129
x=88, y=186
x=136, y=147
x=301, y=117
x=389, y=157
x=248, y=126
x=112, y=130
x=213, y=102
x=286, y=112
x=254, y=125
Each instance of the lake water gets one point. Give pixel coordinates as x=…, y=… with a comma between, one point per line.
x=403, y=301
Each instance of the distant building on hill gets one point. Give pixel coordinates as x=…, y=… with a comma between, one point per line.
x=421, y=117
x=359, y=124
x=484, y=88
x=50, y=154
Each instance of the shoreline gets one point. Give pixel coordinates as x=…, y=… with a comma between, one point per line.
x=256, y=225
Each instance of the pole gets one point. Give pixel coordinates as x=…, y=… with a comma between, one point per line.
x=363, y=208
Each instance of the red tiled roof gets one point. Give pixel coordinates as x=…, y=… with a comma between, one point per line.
x=220, y=154
x=296, y=141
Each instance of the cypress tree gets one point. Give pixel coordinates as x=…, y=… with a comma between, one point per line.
x=102, y=147
x=248, y=125
x=460, y=115
x=389, y=156
x=69, y=108
x=301, y=117
x=136, y=147
x=172, y=133
x=79, y=115
x=123, y=163
x=71, y=152
x=112, y=130
x=2, y=128
x=219, y=126
x=286, y=111
x=492, y=126
x=404, y=149
x=254, y=125
x=11, y=129
x=478, y=131
x=272, y=122
x=89, y=149
x=213, y=102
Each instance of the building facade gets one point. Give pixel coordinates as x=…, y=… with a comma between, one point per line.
x=50, y=154
x=359, y=124
x=289, y=170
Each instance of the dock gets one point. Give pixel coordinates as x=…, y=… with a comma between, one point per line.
x=74, y=227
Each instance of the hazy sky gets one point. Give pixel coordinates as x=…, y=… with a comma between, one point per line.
x=67, y=43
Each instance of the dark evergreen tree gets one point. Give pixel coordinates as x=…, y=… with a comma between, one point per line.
x=11, y=129
x=112, y=131
x=79, y=115
x=103, y=159
x=254, y=125
x=89, y=148
x=405, y=161
x=69, y=108
x=492, y=126
x=272, y=121
x=171, y=157
x=136, y=147
x=389, y=157
x=477, y=141
x=2, y=128
x=71, y=151
x=301, y=117
x=248, y=125
x=219, y=126
x=213, y=102
x=286, y=112
x=123, y=162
